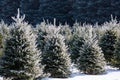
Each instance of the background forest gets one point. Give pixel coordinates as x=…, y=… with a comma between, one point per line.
x=65, y=11
x=59, y=39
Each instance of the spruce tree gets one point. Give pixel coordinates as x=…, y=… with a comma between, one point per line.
x=91, y=59
x=76, y=43
x=107, y=44
x=55, y=55
x=21, y=59
x=1, y=44
x=116, y=62
x=66, y=31
x=42, y=30
x=0, y=40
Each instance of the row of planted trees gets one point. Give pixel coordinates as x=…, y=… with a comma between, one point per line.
x=48, y=50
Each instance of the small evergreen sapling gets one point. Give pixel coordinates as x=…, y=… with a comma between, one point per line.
x=66, y=31
x=21, y=59
x=91, y=59
x=55, y=55
x=117, y=55
x=76, y=43
x=42, y=31
x=107, y=44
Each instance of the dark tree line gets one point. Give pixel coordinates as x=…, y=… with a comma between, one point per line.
x=65, y=11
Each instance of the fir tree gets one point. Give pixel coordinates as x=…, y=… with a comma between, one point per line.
x=4, y=32
x=21, y=59
x=55, y=55
x=107, y=44
x=91, y=59
x=42, y=30
x=116, y=62
x=66, y=31
x=1, y=44
x=76, y=42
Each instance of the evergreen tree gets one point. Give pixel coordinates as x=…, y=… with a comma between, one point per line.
x=4, y=32
x=95, y=11
x=0, y=40
x=1, y=44
x=116, y=62
x=66, y=31
x=30, y=9
x=59, y=9
x=55, y=55
x=21, y=59
x=76, y=42
x=42, y=31
x=4, y=29
x=91, y=59
x=8, y=9
x=107, y=43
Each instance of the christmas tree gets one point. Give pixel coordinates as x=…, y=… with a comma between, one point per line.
x=55, y=55
x=21, y=59
x=91, y=59
x=107, y=44
x=116, y=62
x=76, y=42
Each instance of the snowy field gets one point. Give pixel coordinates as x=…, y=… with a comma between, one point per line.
x=111, y=74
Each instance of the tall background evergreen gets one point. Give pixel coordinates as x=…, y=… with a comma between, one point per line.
x=59, y=9
x=90, y=11
x=30, y=9
x=8, y=8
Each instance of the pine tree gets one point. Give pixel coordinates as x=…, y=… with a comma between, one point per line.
x=116, y=62
x=107, y=44
x=55, y=55
x=66, y=31
x=42, y=31
x=58, y=9
x=76, y=42
x=0, y=40
x=1, y=44
x=21, y=59
x=91, y=59
x=4, y=32
x=4, y=29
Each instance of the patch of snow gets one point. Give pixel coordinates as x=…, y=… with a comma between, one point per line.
x=111, y=74
x=1, y=78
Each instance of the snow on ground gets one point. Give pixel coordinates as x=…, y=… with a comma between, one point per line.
x=111, y=74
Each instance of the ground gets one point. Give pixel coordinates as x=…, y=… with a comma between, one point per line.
x=110, y=74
